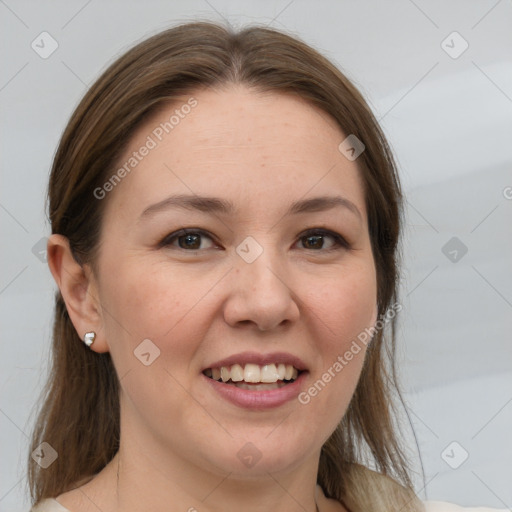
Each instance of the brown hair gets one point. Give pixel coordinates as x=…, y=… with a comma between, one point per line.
x=79, y=416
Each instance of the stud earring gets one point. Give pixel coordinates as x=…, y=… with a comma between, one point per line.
x=89, y=338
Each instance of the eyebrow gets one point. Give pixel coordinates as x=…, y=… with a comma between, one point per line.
x=221, y=206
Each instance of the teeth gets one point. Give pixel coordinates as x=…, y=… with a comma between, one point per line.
x=237, y=373
x=259, y=387
x=269, y=373
x=253, y=373
x=225, y=374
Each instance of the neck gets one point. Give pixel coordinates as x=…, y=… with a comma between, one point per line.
x=141, y=479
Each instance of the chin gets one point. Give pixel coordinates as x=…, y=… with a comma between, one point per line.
x=260, y=453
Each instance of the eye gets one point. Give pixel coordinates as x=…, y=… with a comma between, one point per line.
x=188, y=239
x=319, y=240
x=315, y=239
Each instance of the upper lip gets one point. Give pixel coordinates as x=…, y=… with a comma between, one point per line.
x=243, y=358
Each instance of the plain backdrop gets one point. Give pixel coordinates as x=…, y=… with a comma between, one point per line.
x=438, y=76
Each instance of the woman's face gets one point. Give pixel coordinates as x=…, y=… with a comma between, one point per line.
x=262, y=277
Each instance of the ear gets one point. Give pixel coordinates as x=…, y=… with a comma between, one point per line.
x=79, y=290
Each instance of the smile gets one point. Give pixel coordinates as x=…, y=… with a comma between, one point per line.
x=252, y=380
x=253, y=376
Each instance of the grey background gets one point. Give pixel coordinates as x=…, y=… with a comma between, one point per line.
x=449, y=121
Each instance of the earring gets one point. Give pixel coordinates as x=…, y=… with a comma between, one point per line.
x=89, y=338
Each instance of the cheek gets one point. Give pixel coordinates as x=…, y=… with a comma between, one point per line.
x=343, y=311
x=155, y=302
x=166, y=307
x=344, y=308
x=150, y=302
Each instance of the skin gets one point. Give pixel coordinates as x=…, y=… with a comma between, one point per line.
x=179, y=439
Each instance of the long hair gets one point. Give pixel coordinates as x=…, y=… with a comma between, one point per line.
x=79, y=415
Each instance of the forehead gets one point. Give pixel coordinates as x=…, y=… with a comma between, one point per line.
x=247, y=146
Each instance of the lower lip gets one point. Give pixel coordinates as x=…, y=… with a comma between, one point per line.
x=258, y=399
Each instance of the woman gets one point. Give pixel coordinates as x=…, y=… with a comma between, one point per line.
x=225, y=220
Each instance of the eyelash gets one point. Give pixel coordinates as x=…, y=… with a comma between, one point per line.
x=339, y=241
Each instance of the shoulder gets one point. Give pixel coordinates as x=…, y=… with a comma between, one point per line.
x=442, y=506
x=370, y=490
x=48, y=505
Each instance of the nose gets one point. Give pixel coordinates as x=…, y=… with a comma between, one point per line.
x=260, y=294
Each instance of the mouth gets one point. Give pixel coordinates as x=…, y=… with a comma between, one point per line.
x=254, y=377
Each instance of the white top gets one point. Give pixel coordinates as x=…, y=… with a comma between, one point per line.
x=49, y=505
x=443, y=506
x=52, y=505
